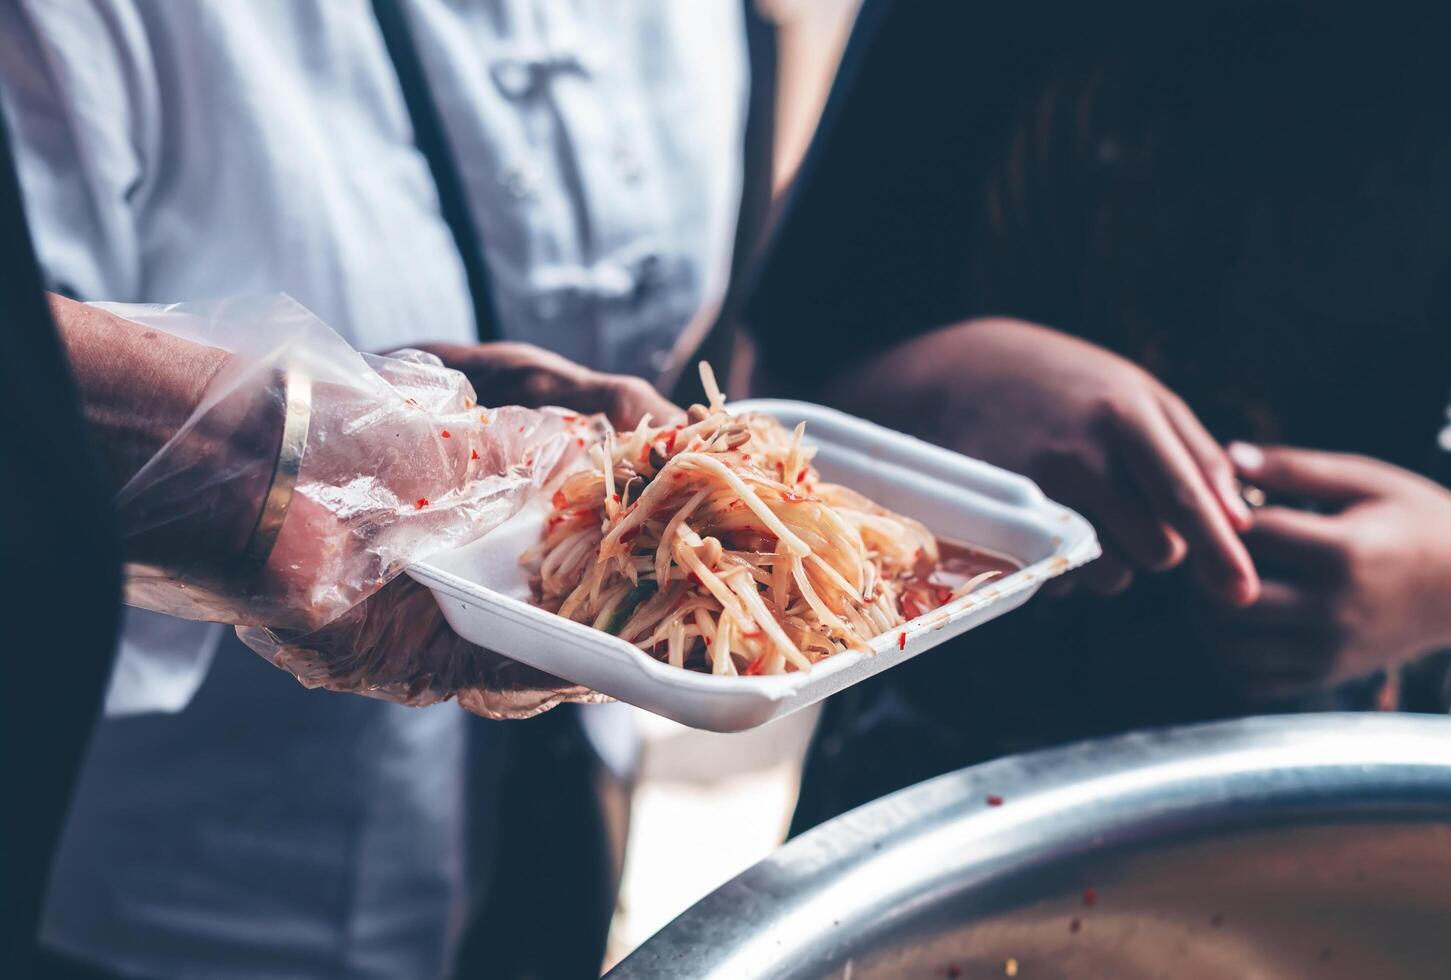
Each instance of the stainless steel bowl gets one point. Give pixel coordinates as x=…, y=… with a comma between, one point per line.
x=1306, y=847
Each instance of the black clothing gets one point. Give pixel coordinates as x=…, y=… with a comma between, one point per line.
x=61, y=597
x=1254, y=204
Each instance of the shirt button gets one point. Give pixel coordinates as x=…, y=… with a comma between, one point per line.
x=520, y=183
x=515, y=77
x=520, y=78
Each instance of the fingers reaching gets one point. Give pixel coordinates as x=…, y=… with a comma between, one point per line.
x=1295, y=538
x=1107, y=576
x=1283, y=604
x=1211, y=457
x=1126, y=523
x=1178, y=491
x=1335, y=477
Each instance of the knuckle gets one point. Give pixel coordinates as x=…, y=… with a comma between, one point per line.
x=1108, y=409
x=1124, y=408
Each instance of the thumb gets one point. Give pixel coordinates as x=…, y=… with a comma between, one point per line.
x=1308, y=473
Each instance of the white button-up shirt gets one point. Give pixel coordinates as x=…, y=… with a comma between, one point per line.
x=228, y=822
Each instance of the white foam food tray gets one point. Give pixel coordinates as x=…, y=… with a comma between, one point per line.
x=484, y=591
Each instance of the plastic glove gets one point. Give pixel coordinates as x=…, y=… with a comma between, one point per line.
x=399, y=462
x=396, y=645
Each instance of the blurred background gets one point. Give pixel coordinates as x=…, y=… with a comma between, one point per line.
x=1139, y=260
x=744, y=786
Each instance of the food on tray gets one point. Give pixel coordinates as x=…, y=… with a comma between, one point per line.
x=715, y=545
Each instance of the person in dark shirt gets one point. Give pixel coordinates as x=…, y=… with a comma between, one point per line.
x=63, y=590
x=1235, y=224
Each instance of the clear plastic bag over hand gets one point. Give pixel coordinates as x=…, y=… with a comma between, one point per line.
x=398, y=462
x=396, y=645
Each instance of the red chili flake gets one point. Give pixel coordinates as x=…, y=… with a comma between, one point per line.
x=521, y=428
x=911, y=606
x=801, y=476
x=579, y=443
x=529, y=460
x=645, y=453
x=1090, y=896
x=474, y=454
x=670, y=441
x=559, y=500
x=420, y=503
x=994, y=800
x=944, y=595
x=1075, y=924
x=615, y=497
x=446, y=434
x=901, y=641
x=757, y=665
x=707, y=641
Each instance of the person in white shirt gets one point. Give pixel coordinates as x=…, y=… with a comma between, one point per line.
x=228, y=822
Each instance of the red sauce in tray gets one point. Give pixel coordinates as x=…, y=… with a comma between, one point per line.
x=933, y=585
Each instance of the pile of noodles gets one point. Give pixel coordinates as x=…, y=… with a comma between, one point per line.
x=714, y=545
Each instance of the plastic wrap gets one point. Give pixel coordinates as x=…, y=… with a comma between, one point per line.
x=399, y=462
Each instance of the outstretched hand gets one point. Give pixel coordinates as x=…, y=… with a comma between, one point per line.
x=509, y=373
x=1360, y=584
x=1094, y=430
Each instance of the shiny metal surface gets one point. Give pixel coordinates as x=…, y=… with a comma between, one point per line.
x=1311, y=846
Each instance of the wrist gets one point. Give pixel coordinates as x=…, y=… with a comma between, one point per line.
x=199, y=499
x=138, y=387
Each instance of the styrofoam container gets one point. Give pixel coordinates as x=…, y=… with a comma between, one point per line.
x=483, y=589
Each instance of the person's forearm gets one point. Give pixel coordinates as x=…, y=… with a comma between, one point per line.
x=137, y=386
x=908, y=386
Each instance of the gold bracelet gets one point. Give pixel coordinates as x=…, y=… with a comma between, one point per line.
x=296, y=418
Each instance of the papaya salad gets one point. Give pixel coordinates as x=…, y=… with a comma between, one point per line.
x=715, y=545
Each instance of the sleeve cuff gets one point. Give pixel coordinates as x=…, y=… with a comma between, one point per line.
x=161, y=663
